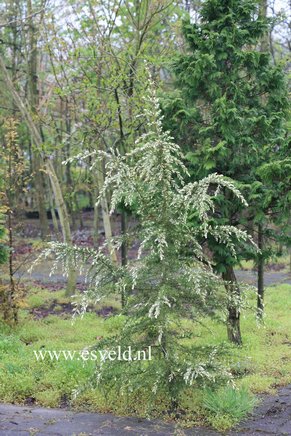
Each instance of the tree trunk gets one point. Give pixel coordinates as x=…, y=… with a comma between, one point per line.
x=33, y=100
x=233, y=320
x=10, y=312
x=40, y=196
x=260, y=301
x=105, y=213
x=95, y=219
x=64, y=220
x=264, y=47
x=12, y=309
x=123, y=233
x=71, y=197
x=263, y=9
x=53, y=213
x=123, y=151
x=123, y=249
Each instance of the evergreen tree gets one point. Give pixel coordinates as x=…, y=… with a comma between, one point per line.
x=229, y=112
x=162, y=284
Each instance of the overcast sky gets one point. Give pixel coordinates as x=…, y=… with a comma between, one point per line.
x=282, y=4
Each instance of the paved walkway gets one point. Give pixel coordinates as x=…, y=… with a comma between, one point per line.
x=272, y=417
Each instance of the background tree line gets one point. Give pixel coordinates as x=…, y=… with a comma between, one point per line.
x=73, y=79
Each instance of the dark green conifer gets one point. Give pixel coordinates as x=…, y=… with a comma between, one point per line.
x=229, y=113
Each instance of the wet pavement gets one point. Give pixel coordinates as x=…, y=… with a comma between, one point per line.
x=272, y=417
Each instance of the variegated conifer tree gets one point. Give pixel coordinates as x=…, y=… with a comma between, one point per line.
x=170, y=279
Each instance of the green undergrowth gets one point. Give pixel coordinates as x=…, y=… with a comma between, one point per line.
x=261, y=365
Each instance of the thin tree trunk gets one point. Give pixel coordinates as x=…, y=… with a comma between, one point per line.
x=264, y=47
x=95, y=219
x=76, y=212
x=53, y=213
x=123, y=150
x=64, y=220
x=123, y=233
x=11, y=294
x=123, y=250
x=72, y=200
x=233, y=321
x=265, y=41
x=40, y=196
x=33, y=100
x=105, y=213
x=10, y=311
x=260, y=300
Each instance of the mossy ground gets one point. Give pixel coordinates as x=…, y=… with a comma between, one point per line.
x=260, y=365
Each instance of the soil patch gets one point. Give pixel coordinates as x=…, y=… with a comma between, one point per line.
x=65, y=309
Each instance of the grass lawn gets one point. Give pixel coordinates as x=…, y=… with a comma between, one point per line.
x=262, y=364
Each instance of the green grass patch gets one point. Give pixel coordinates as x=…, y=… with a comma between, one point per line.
x=228, y=406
